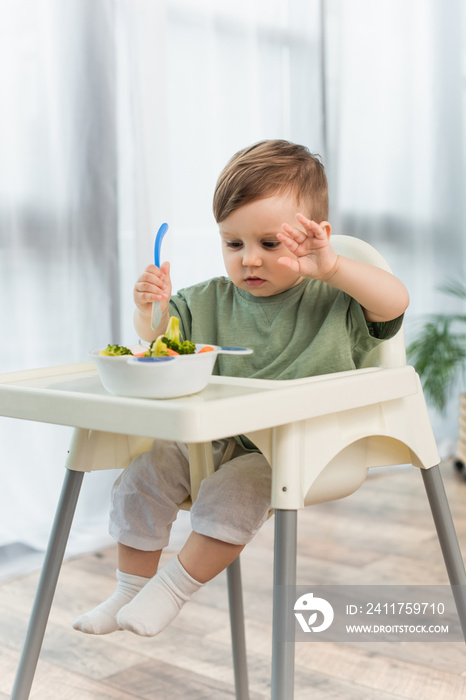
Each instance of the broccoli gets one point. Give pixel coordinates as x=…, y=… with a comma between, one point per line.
x=172, y=338
x=172, y=341
x=157, y=348
x=116, y=350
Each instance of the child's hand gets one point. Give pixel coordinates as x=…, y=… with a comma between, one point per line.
x=153, y=285
x=316, y=258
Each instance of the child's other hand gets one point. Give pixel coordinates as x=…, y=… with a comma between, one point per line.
x=316, y=258
x=153, y=285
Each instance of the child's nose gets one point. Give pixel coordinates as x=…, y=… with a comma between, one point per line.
x=251, y=257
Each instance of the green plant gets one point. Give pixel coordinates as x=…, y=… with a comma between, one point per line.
x=439, y=351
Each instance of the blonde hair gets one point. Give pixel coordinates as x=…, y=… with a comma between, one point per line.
x=268, y=168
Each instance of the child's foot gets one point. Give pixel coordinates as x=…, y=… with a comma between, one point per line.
x=102, y=619
x=159, y=602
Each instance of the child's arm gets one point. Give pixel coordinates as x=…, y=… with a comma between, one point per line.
x=382, y=296
x=153, y=285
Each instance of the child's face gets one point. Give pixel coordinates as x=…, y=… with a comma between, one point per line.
x=251, y=249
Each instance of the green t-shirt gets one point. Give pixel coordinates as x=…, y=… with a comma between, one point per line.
x=307, y=330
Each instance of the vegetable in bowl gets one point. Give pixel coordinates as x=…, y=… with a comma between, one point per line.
x=170, y=368
x=116, y=350
x=142, y=375
x=171, y=342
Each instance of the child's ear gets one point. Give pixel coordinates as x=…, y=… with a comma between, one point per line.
x=327, y=228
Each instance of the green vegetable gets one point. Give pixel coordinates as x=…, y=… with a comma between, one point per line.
x=157, y=348
x=115, y=350
x=172, y=341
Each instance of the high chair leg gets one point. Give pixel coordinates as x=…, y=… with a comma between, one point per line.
x=47, y=584
x=448, y=539
x=284, y=587
x=238, y=638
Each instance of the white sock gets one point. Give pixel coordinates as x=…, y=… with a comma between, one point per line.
x=102, y=619
x=160, y=601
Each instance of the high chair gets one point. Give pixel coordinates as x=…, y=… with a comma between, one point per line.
x=336, y=427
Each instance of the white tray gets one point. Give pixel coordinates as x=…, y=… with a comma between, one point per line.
x=73, y=395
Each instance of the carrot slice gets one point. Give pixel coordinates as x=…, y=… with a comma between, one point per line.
x=172, y=352
x=206, y=348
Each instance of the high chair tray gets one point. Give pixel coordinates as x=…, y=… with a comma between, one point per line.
x=73, y=395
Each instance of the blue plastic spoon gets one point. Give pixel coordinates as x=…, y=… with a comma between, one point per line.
x=156, y=308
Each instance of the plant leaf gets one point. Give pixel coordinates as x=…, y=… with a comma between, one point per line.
x=438, y=356
x=454, y=288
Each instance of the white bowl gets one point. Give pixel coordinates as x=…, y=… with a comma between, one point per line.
x=159, y=377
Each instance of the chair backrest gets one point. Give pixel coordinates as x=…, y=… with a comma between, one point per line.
x=392, y=353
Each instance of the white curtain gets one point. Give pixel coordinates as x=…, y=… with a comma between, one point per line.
x=396, y=162
x=59, y=271
x=118, y=115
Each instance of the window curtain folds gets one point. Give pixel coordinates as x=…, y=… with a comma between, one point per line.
x=59, y=252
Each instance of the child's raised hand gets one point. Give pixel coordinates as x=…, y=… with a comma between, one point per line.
x=315, y=257
x=153, y=285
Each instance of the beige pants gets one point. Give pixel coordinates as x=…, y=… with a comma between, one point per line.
x=231, y=506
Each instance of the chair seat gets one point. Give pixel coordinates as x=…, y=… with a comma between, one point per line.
x=357, y=420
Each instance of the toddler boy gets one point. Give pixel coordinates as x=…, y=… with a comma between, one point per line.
x=303, y=309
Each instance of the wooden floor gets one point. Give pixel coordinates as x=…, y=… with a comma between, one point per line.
x=383, y=534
